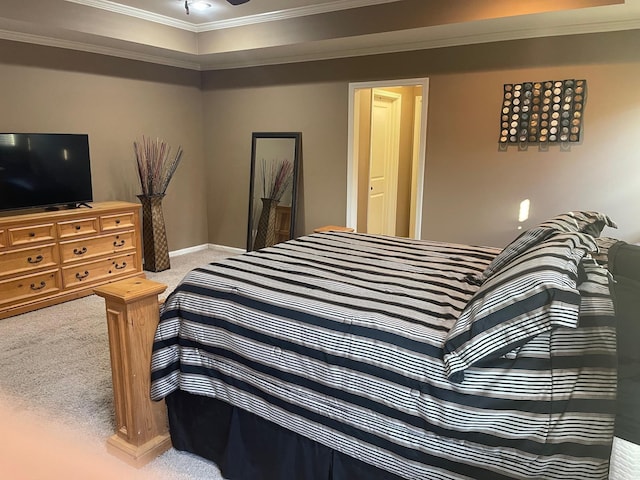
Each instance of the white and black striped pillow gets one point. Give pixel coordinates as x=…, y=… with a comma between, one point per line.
x=536, y=292
x=591, y=223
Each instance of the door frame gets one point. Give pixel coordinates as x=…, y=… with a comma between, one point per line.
x=352, y=158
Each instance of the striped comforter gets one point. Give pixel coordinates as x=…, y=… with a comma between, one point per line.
x=340, y=337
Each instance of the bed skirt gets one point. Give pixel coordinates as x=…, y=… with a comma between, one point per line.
x=245, y=446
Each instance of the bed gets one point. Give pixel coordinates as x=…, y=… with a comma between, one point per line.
x=344, y=356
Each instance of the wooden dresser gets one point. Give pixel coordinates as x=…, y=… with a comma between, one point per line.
x=51, y=257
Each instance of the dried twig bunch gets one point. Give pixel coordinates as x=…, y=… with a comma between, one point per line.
x=155, y=167
x=276, y=178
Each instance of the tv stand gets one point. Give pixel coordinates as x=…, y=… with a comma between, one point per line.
x=71, y=206
x=54, y=256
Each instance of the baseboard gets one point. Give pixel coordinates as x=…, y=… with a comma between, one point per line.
x=184, y=251
x=205, y=246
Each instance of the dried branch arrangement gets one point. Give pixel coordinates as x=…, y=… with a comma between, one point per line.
x=276, y=178
x=155, y=165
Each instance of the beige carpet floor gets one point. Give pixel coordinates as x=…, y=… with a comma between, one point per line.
x=55, y=372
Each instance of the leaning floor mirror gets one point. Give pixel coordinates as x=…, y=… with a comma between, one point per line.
x=275, y=159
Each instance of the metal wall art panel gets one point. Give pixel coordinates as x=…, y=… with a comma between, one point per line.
x=542, y=112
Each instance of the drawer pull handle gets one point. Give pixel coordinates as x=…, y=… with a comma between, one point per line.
x=81, y=277
x=38, y=287
x=32, y=234
x=38, y=259
x=78, y=227
x=80, y=251
x=120, y=266
x=118, y=221
x=119, y=244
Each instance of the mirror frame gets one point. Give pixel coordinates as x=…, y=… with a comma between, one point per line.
x=297, y=151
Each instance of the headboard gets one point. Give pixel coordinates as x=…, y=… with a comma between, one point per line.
x=624, y=264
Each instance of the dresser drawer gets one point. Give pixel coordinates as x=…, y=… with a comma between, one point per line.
x=77, y=250
x=3, y=239
x=31, y=234
x=85, y=226
x=99, y=270
x=23, y=260
x=116, y=222
x=28, y=286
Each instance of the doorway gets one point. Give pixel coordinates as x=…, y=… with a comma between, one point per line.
x=387, y=138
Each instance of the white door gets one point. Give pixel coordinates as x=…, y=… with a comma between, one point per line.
x=384, y=157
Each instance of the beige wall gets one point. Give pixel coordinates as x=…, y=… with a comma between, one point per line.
x=232, y=114
x=472, y=189
x=470, y=184
x=116, y=102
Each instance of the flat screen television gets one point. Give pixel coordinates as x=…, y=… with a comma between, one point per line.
x=44, y=170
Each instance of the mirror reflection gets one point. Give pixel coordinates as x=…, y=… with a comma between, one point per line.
x=272, y=195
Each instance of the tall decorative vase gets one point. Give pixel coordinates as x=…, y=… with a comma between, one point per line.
x=266, y=233
x=154, y=234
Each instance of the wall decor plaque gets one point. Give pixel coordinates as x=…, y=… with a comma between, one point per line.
x=542, y=112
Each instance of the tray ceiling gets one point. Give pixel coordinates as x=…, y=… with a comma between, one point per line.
x=263, y=32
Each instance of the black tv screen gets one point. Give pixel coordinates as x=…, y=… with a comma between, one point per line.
x=44, y=169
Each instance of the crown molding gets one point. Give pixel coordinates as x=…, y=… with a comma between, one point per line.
x=102, y=50
x=137, y=13
x=234, y=22
x=442, y=41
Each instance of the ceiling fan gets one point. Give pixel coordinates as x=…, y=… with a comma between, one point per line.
x=232, y=2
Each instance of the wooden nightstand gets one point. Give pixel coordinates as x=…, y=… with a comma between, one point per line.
x=332, y=228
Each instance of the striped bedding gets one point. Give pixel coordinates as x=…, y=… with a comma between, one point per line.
x=342, y=338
